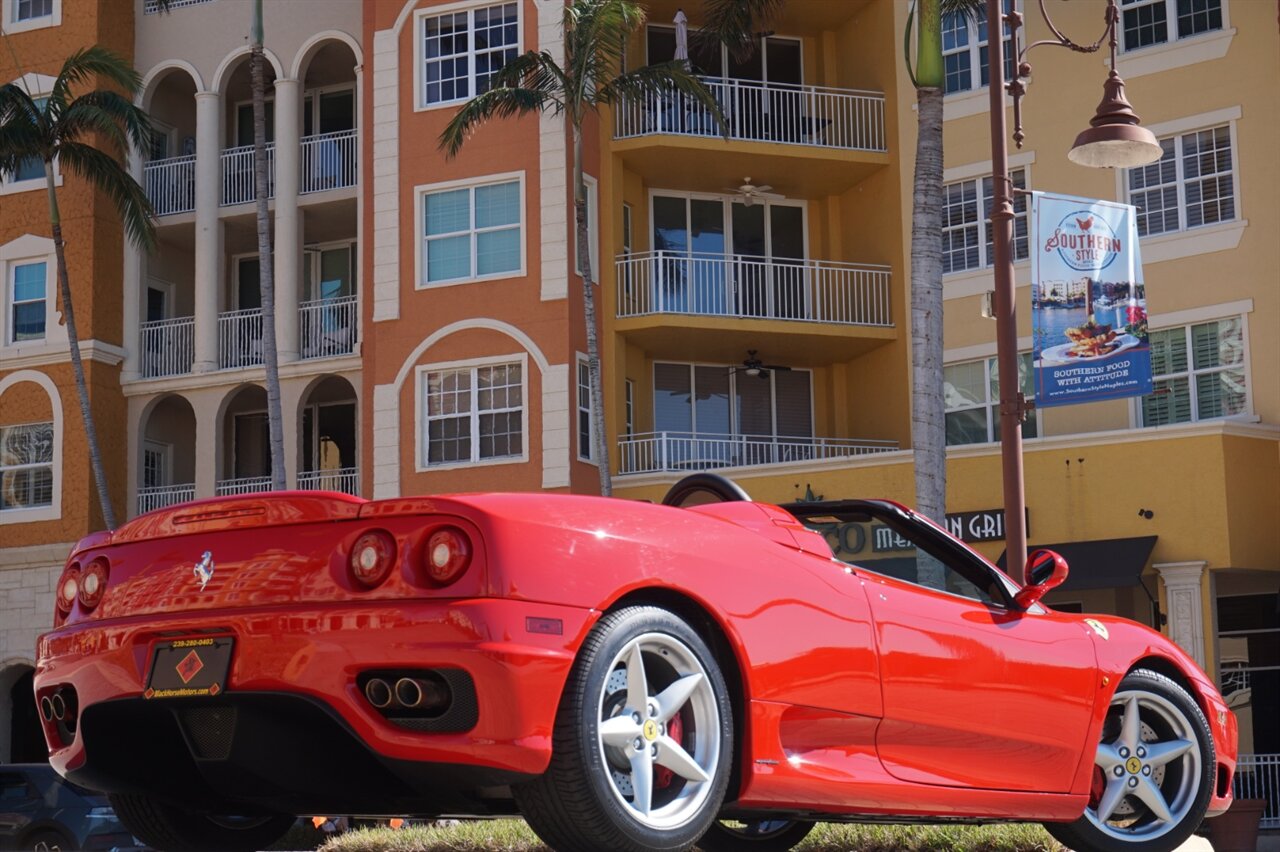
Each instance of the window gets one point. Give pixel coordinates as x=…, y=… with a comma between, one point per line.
x=586, y=432
x=28, y=168
x=463, y=51
x=474, y=414
x=30, y=10
x=1198, y=373
x=962, y=247
x=1150, y=22
x=971, y=394
x=1192, y=185
x=964, y=49
x=593, y=230
x=26, y=466
x=472, y=232
x=28, y=293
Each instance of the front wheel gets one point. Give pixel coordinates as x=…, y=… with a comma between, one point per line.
x=643, y=741
x=165, y=826
x=1153, y=771
x=761, y=835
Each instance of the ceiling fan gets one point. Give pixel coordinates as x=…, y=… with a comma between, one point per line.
x=750, y=192
x=753, y=366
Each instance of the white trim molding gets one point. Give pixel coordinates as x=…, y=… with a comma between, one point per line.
x=553, y=168
x=1174, y=245
x=53, y=511
x=386, y=171
x=98, y=351
x=12, y=26
x=420, y=371
x=1204, y=313
x=1175, y=54
x=1183, y=600
x=967, y=171
x=421, y=191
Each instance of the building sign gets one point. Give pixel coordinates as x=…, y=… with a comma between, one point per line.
x=1088, y=302
x=854, y=538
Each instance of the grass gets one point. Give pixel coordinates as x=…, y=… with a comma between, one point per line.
x=515, y=836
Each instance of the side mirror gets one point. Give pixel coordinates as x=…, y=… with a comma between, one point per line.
x=1046, y=571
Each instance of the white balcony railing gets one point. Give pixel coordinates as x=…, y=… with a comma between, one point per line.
x=160, y=496
x=242, y=485
x=168, y=347
x=1258, y=777
x=664, y=282
x=328, y=161
x=651, y=452
x=239, y=339
x=344, y=479
x=818, y=116
x=171, y=184
x=237, y=174
x=327, y=327
x=150, y=7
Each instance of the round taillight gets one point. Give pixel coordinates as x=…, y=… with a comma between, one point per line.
x=448, y=555
x=93, y=582
x=372, y=557
x=68, y=588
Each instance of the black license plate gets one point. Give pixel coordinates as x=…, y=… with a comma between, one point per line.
x=190, y=668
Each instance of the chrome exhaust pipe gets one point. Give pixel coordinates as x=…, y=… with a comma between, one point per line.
x=378, y=693
x=408, y=692
x=58, y=706
x=46, y=709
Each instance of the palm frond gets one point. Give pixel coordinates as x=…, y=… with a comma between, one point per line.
x=22, y=128
x=106, y=173
x=110, y=114
x=88, y=63
x=970, y=10
x=733, y=23
x=495, y=103
x=595, y=32
x=662, y=79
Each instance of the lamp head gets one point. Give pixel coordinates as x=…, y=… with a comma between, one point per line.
x=1115, y=139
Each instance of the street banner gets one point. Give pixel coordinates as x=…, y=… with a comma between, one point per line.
x=1088, y=303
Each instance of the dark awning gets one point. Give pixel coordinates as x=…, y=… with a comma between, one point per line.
x=1103, y=564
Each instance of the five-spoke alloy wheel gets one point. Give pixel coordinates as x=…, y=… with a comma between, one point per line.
x=643, y=742
x=1153, y=771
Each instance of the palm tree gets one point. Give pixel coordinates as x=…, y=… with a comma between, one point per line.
x=594, y=34
x=88, y=134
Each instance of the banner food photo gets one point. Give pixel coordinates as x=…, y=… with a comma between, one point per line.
x=1088, y=302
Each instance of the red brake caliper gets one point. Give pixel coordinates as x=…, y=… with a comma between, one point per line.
x=663, y=776
x=1097, y=786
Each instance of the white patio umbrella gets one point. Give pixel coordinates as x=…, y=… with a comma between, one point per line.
x=682, y=37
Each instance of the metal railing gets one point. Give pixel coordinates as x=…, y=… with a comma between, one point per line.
x=151, y=7
x=328, y=161
x=239, y=339
x=168, y=347
x=651, y=452
x=237, y=174
x=160, y=496
x=170, y=184
x=1258, y=777
x=664, y=282
x=243, y=485
x=847, y=119
x=327, y=327
x=344, y=479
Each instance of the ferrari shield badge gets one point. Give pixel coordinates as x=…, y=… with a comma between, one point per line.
x=1098, y=627
x=204, y=569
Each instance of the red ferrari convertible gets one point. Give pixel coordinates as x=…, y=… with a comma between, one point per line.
x=626, y=676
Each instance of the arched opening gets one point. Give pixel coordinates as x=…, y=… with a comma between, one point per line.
x=21, y=740
x=167, y=454
x=245, y=443
x=237, y=123
x=329, y=116
x=329, y=437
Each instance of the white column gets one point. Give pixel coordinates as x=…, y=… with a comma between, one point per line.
x=288, y=243
x=208, y=229
x=134, y=304
x=1183, y=583
x=204, y=404
x=291, y=411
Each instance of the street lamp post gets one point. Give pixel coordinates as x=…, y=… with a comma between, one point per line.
x=1113, y=140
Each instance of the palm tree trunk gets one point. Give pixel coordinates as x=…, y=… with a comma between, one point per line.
x=77, y=366
x=266, y=281
x=600, y=450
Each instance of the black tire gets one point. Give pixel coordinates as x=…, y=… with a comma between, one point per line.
x=579, y=804
x=762, y=835
x=167, y=827
x=48, y=840
x=1188, y=780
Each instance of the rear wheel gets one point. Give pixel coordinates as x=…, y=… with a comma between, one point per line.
x=1153, y=771
x=643, y=741
x=762, y=835
x=173, y=829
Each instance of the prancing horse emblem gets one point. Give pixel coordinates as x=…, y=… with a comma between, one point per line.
x=204, y=569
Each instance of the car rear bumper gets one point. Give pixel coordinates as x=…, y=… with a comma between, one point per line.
x=292, y=727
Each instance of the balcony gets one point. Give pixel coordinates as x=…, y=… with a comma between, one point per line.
x=327, y=327
x=328, y=161
x=170, y=184
x=654, y=452
x=159, y=497
x=847, y=119
x=747, y=287
x=238, y=176
x=242, y=485
x=345, y=480
x=168, y=347
x=151, y=7
x=239, y=339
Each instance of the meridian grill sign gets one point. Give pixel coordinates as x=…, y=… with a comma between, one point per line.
x=852, y=538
